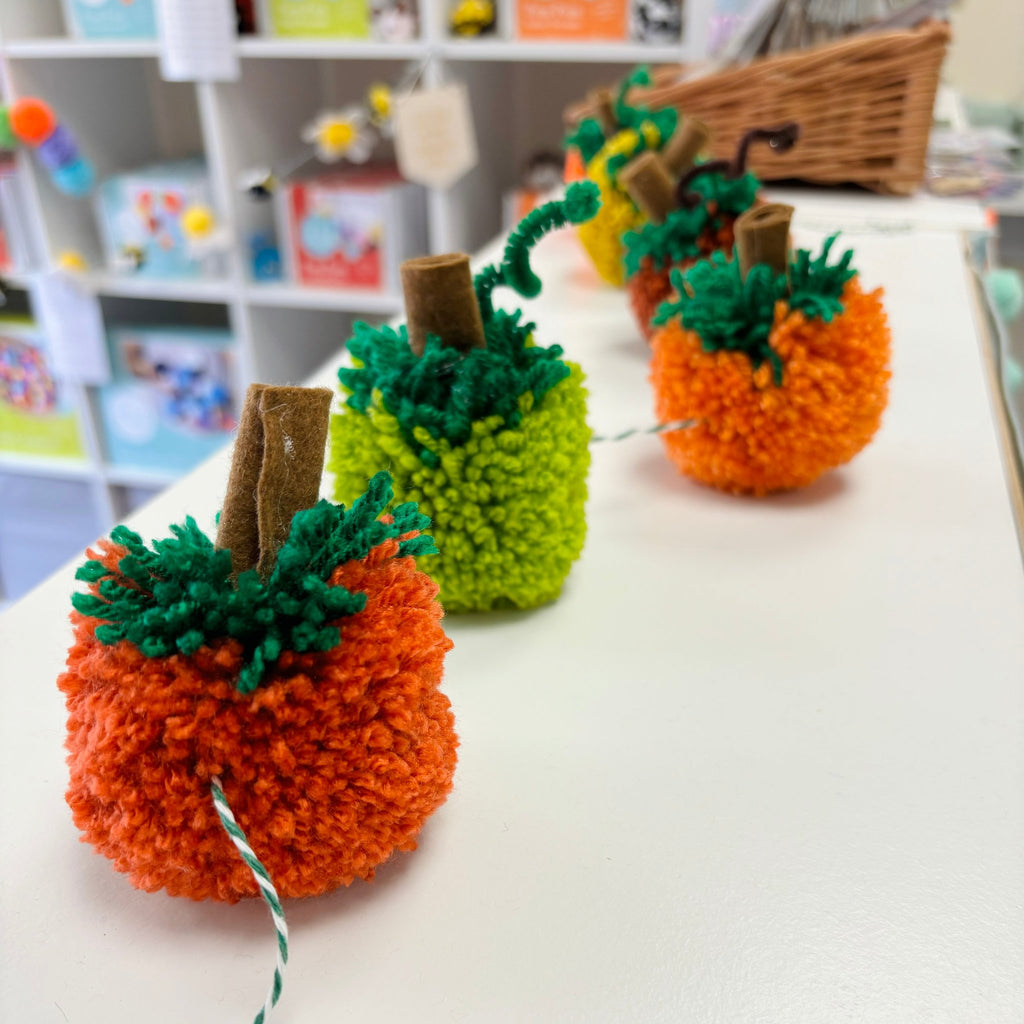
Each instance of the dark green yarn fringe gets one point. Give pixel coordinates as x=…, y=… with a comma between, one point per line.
x=733, y=315
x=444, y=391
x=665, y=244
x=588, y=136
x=179, y=595
x=675, y=240
x=730, y=195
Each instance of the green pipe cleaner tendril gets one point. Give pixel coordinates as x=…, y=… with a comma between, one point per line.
x=731, y=314
x=180, y=594
x=582, y=200
x=587, y=137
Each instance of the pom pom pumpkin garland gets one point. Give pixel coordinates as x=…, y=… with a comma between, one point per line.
x=783, y=367
x=484, y=429
x=304, y=672
x=688, y=219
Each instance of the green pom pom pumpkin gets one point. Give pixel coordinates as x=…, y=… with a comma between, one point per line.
x=492, y=442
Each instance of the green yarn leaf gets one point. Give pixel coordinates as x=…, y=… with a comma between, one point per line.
x=665, y=244
x=179, y=594
x=589, y=137
x=735, y=315
x=582, y=200
x=676, y=239
x=444, y=392
x=730, y=195
x=629, y=116
x=815, y=286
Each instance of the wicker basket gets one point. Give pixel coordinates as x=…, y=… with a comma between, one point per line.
x=864, y=106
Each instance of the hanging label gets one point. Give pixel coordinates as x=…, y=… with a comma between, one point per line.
x=197, y=40
x=72, y=321
x=435, y=143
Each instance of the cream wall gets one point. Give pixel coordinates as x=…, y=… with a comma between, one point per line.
x=987, y=57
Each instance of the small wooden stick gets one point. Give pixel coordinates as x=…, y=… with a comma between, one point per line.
x=275, y=471
x=762, y=236
x=602, y=101
x=440, y=300
x=649, y=185
x=689, y=138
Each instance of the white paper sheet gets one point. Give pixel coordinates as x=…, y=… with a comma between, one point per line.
x=72, y=320
x=197, y=40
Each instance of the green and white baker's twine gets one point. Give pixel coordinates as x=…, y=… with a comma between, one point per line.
x=267, y=891
x=660, y=428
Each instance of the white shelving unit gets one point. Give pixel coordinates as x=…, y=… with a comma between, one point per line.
x=125, y=115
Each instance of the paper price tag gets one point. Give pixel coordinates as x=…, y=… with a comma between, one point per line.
x=72, y=321
x=197, y=40
x=435, y=143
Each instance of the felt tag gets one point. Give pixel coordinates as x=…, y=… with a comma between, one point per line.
x=72, y=320
x=435, y=143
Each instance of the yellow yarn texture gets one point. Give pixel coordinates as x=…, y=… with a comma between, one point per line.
x=602, y=234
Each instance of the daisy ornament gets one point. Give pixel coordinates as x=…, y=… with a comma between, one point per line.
x=341, y=135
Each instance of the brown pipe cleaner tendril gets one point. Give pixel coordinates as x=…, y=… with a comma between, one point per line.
x=780, y=139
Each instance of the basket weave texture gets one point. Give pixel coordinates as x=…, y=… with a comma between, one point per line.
x=864, y=106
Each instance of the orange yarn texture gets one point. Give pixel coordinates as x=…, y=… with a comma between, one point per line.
x=333, y=763
x=646, y=290
x=754, y=437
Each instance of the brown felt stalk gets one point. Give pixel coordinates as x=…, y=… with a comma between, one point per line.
x=762, y=236
x=687, y=141
x=649, y=185
x=275, y=471
x=602, y=102
x=440, y=300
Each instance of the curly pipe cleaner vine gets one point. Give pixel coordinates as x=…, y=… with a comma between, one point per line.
x=582, y=200
x=779, y=139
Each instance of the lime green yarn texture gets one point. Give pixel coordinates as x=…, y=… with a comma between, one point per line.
x=507, y=504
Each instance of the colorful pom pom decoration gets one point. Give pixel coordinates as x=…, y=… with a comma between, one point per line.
x=606, y=143
x=33, y=123
x=483, y=428
x=690, y=216
x=261, y=715
x=783, y=366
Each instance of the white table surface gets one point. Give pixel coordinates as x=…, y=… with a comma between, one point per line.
x=762, y=762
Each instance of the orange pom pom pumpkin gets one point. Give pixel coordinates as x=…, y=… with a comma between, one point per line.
x=308, y=684
x=780, y=388
x=334, y=762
